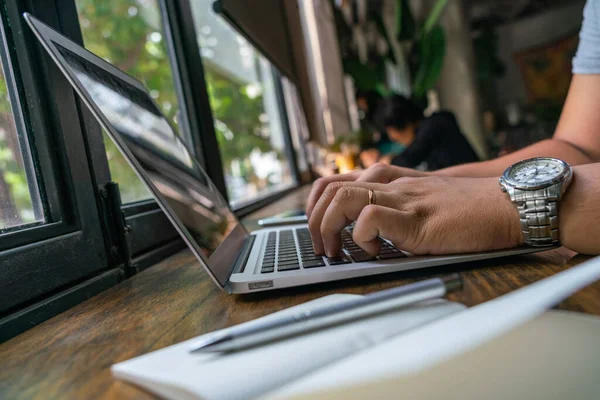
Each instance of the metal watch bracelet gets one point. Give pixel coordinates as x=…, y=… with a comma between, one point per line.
x=539, y=216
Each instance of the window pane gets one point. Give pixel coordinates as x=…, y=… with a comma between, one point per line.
x=19, y=196
x=244, y=103
x=129, y=34
x=297, y=121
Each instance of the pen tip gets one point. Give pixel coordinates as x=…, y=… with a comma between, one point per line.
x=206, y=344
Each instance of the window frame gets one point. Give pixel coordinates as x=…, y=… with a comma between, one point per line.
x=187, y=52
x=145, y=215
x=33, y=260
x=213, y=163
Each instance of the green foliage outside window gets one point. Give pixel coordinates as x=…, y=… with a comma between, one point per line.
x=237, y=117
x=16, y=206
x=128, y=34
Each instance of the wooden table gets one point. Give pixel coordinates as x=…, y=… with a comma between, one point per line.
x=69, y=356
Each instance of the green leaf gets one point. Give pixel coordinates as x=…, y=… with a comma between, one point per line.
x=382, y=90
x=489, y=65
x=434, y=16
x=432, y=48
x=366, y=76
x=405, y=21
x=378, y=20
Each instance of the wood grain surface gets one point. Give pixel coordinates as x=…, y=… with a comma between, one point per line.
x=69, y=356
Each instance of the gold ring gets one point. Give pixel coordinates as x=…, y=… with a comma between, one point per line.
x=371, y=197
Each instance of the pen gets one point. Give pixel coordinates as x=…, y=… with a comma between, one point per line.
x=243, y=337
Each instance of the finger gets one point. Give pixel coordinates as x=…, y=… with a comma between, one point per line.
x=345, y=207
x=376, y=173
x=316, y=217
x=383, y=173
x=397, y=226
x=320, y=184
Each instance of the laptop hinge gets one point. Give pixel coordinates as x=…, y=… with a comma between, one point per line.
x=116, y=230
x=242, y=259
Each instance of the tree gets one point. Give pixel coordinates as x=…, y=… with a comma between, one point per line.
x=120, y=31
x=237, y=117
x=128, y=34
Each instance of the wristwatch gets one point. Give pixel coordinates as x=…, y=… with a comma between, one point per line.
x=536, y=186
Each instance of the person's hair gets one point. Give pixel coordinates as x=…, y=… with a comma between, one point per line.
x=373, y=100
x=397, y=111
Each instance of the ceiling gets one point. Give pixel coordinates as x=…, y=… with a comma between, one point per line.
x=495, y=12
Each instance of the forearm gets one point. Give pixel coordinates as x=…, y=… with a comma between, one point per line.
x=547, y=148
x=579, y=211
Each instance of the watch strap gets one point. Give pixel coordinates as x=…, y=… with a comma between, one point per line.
x=539, y=218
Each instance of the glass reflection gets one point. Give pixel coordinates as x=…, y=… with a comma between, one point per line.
x=162, y=155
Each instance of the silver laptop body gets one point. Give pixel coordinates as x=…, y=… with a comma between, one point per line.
x=237, y=261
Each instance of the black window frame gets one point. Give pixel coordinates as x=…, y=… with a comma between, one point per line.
x=39, y=262
x=142, y=217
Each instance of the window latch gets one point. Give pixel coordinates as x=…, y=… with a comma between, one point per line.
x=116, y=230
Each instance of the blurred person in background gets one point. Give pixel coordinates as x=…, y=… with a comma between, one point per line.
x=431, y=143
x=368, y=102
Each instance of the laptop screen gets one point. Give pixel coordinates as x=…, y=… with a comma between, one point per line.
x=164, y=159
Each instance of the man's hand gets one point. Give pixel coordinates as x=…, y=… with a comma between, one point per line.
x=378, y=173
x=430, y=215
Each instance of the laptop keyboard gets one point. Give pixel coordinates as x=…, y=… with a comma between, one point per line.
x=290, y=254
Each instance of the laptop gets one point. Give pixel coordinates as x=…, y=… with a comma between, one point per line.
x=236, y=260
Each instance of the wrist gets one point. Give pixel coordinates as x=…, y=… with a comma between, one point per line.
x=572, y=229
x=511, y=214
x=506, y=220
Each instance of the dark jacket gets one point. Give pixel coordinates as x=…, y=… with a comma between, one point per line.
x=439, y=143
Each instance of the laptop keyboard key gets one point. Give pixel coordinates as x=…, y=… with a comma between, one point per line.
x=390, y=251
x=341, y=259
x=390, y=256
x=288, y=267
x=266, y=270
x=287, y=252
x=312, y=258
x=361, y=257
x=288, y=261
x=313, y=263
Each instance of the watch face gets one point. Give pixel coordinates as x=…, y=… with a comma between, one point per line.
x=537, y=172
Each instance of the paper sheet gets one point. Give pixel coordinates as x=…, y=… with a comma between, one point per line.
x=441, y=340
x=553, y=357
x=175, y=373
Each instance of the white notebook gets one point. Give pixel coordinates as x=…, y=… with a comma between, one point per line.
x=176, y=374
x=555, y=356
x=387, y=348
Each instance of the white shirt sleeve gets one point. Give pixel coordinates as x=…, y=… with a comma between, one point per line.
x=587, y=58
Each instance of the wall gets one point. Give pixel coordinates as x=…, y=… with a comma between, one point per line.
x=457, y=86
x=529, y=33
x=326, y=72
